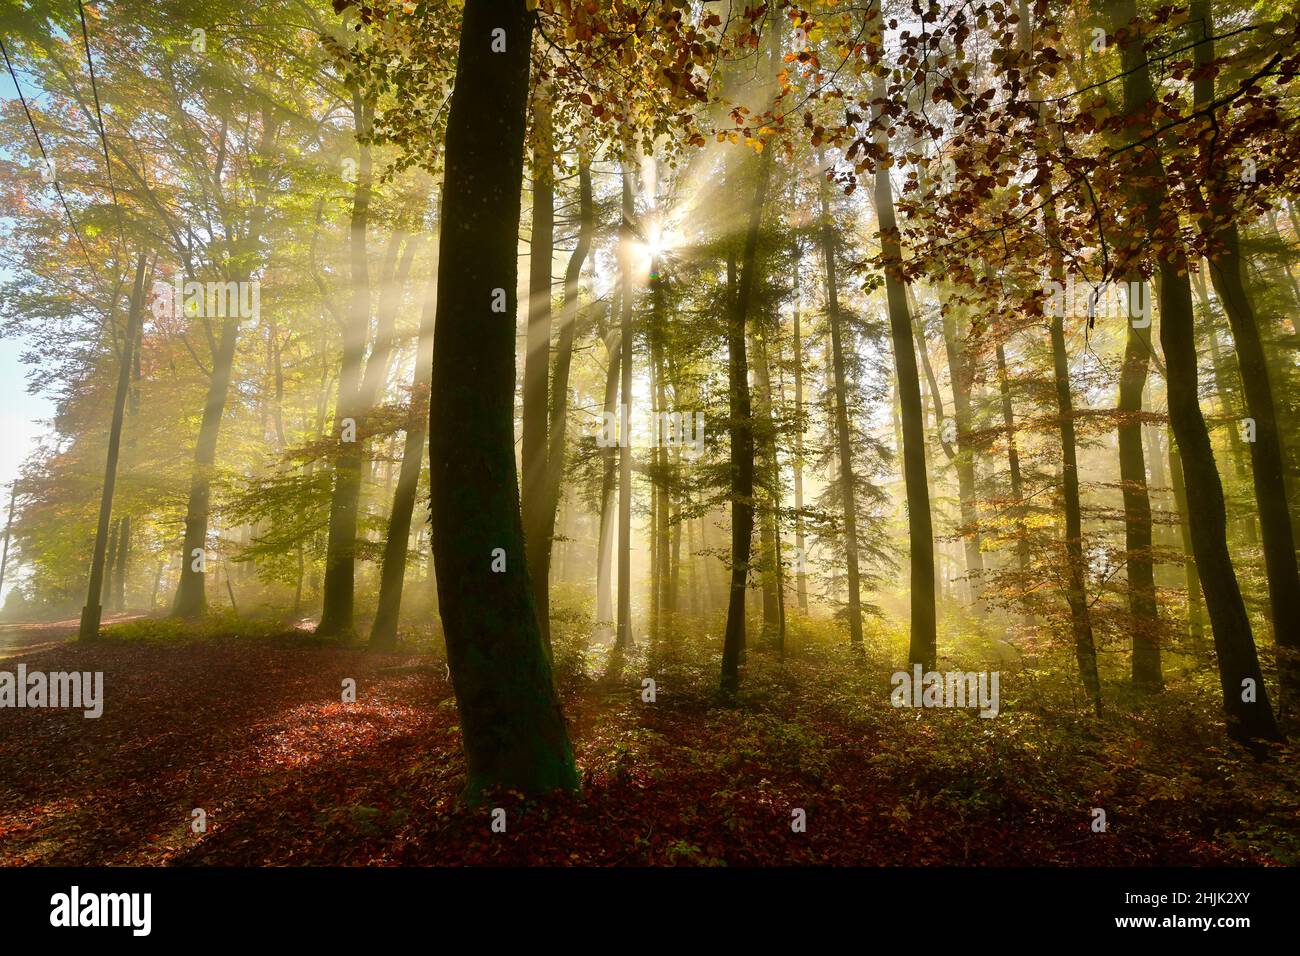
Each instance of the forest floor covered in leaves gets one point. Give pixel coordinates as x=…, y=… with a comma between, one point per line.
x=250, y=728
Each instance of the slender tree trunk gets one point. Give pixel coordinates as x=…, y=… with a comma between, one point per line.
x=930, y=386
x=1085, y=650
x=1266, y=451
x=659, y=534
x=623, y=637
x=105, y=596
x=119, y=569
x=511, y=724
x=1249, y=714
x=742, y=432
x=609, y=485
x=537, y=364
x=842, y=435
x=191, y=598
x=1195, y=608
x=801, y=570
x=560, y=389
x=9, y=524
x=1013, y=460
x=962, y=374
x=765, y=444
x=340, y=563
x=923, y=647
x=383, y=633
x=191, y=592
x=90, y=614
x=1146, y=673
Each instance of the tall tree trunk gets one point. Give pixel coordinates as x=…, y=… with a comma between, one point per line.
x=659, y=479
x=340, y=564
x=90, y=614
x=191, y=598
x=623, y=637
x=1266, y=451
x=923, y=647
x=119, y=568
x=843, y=436
x=191, y=593
x=106, y=592
x=511, y=723
x=1085, y=650
x=1227, y=387
x=1249, y=714
x=963, y=376
x=1146, y=672
x=765, y=445
x=1195, y=608
x=9, y=526
x=1013, y=460
x=383, y=633
x=537, y=363
x=741, y=432
x=801, y=572
x=560, y=387
x=609, y=485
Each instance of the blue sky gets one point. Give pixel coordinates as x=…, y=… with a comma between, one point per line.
x=22, y=422
x=23, y=416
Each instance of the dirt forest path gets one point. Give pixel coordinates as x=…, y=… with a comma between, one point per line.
x=254, y=733
x=17, y=638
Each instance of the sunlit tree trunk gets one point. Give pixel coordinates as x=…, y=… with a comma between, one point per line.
x=1146, y=672
x=1013, y=460
x=609, y=484
x=765, y=446
x=962, y=373
x=340, y=563
x=801, y=574
x=623, y=637
x=537, y=362
x=90, y=614
x=923, y=646
x=191, y=597
x=559, y=411
x=741, y=432
x=383, y=633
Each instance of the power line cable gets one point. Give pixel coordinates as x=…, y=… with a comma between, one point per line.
x=48, y=164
